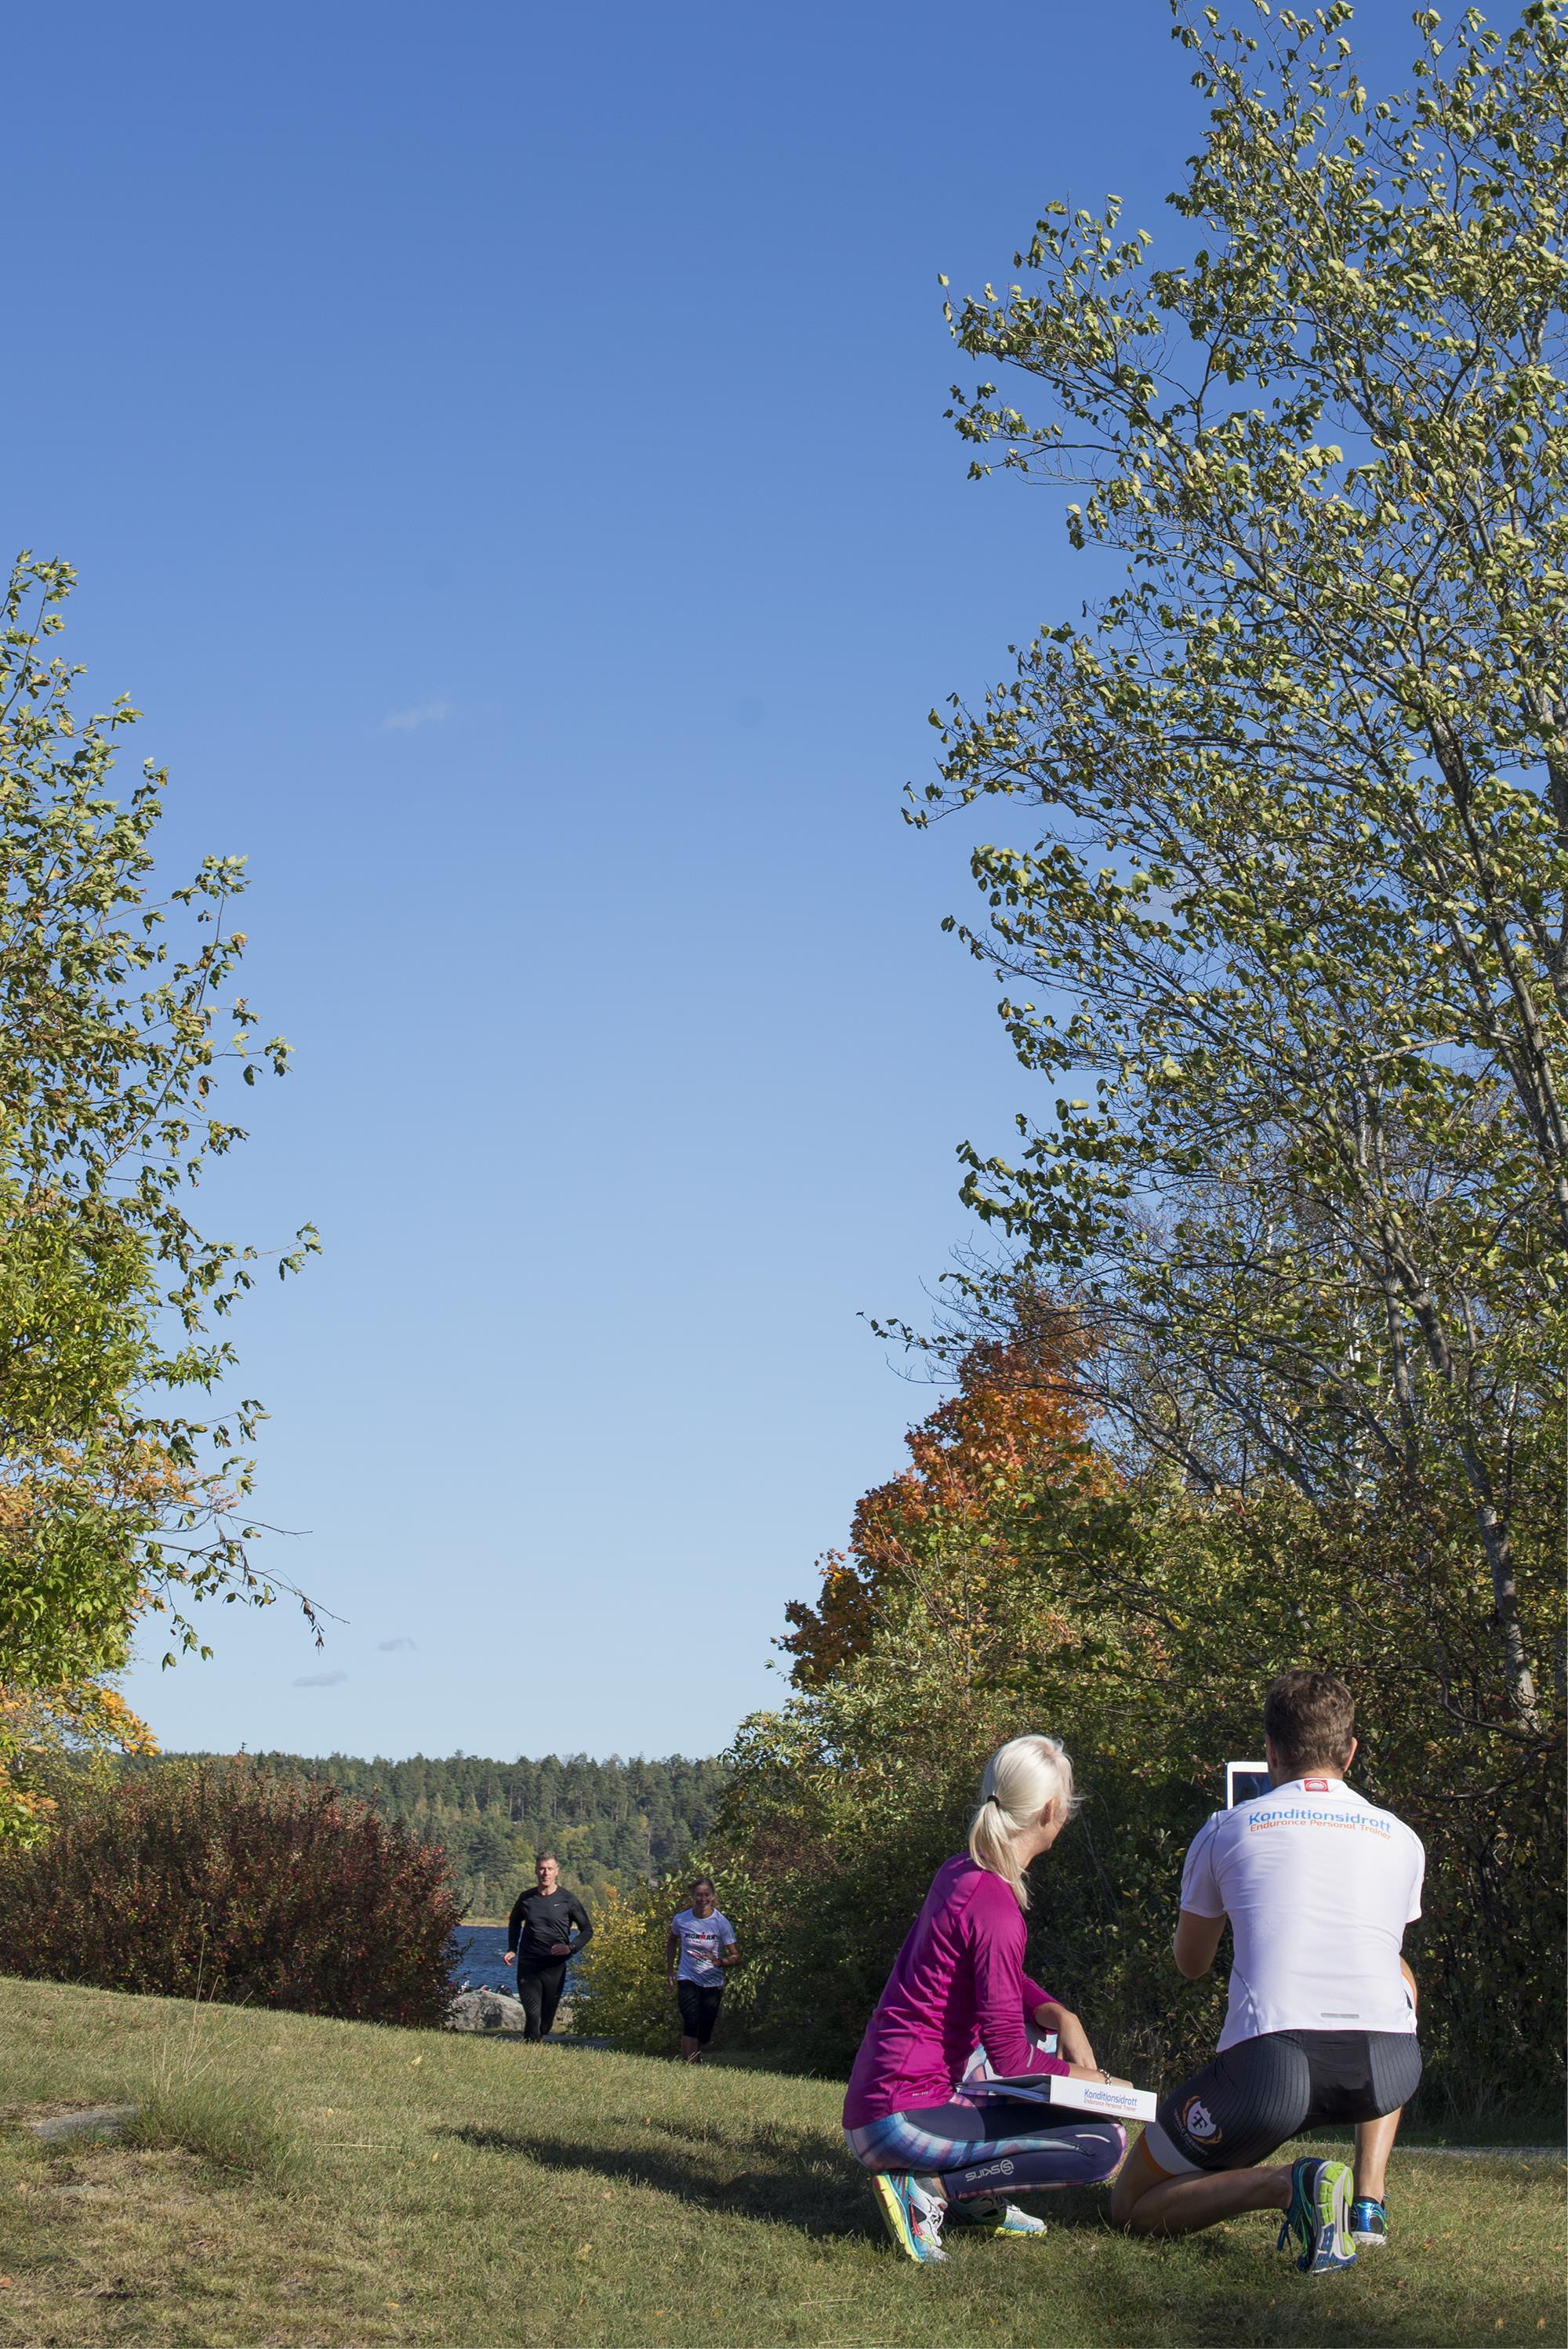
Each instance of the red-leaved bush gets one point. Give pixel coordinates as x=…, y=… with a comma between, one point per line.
x=224, y=1881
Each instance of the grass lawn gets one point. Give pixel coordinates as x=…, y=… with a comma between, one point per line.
x=334, y=2183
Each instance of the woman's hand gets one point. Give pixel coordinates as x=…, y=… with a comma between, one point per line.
x=1101, y=2079
x=1072, y=2039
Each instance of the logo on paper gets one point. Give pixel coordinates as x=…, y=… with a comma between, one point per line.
x=1199, y=2121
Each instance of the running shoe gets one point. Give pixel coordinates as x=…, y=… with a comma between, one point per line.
x=911, y=2213
x=1319, y=2216
x=994, y=2218
x=1369, y=2223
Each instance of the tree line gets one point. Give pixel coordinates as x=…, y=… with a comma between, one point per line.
x=613, y=1825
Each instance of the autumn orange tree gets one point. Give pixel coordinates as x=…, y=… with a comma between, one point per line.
x=1013, y=1431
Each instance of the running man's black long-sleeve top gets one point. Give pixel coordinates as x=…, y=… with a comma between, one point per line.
x=545, y=1919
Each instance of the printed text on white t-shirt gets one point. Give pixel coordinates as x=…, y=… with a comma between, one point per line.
x=701, y=1939
x=1318, y=1885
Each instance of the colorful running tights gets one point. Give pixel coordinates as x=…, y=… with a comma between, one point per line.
x=993, y=2146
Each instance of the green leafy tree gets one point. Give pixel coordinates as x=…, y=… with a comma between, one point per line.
x=1297, y=911
x=115, y=1495
x=1294, y=912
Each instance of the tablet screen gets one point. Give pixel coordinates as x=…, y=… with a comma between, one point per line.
x=1243, y=1780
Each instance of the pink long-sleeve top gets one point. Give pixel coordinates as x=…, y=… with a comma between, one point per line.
x=959, y=1979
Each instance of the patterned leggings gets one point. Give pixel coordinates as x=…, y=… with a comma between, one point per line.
x=993, y=2146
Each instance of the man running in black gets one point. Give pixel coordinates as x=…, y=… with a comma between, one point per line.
x=539, y=1931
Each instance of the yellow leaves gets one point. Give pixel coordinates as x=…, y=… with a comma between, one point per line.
x=43, y=1726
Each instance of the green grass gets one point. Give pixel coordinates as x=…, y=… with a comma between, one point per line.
x=325, y=2184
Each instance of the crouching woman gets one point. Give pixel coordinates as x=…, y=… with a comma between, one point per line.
x=939, y=2144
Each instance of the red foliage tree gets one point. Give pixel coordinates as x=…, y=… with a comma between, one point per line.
x=1015, y=1429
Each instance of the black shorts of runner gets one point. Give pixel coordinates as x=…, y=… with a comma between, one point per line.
x=699, y=2009
x=1244, y=2105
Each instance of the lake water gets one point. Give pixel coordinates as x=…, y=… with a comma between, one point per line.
x=481, y=1963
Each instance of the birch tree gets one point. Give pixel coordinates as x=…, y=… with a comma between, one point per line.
x=1289, y=929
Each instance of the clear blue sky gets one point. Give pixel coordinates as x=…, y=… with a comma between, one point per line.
x=503, y=453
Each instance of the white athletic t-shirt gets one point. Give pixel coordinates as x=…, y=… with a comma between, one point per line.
x=1319, y=1888
x=701, y=1939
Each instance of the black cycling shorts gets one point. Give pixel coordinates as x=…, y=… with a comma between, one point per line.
x=1244, y=2105
x=698, y=2003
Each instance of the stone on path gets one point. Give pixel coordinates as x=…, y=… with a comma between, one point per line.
x=101, y=2120
x=486, y=2010
x=491, y=2011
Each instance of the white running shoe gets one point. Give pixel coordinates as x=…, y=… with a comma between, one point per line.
x=995, y=2218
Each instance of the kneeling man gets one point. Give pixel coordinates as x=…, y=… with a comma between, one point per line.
x=1318, y=1886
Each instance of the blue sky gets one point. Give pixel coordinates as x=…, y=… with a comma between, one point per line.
x=503, y=454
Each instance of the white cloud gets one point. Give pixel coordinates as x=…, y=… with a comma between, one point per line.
x=423, y=713
x=321, y=1680
x=390, y=1647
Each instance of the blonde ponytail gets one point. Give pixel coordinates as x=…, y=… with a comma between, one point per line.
x=1021, y=1778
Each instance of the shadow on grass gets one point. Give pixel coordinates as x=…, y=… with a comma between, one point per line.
x=787, y=2179
x=814, y=2195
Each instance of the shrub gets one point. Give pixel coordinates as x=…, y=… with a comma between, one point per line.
x=224, y=1881
x=621, y=1993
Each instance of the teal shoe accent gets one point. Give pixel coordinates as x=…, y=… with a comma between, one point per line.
x=1369, y=2223
x=1319, y=2216
x=911, y=2216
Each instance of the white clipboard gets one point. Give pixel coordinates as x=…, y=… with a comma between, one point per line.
x=1108, y=2099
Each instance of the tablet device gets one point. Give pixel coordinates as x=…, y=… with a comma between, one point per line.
x=1243, y=1780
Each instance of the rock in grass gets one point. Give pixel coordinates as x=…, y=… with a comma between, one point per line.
x=485, y=2010
x=103, y=2120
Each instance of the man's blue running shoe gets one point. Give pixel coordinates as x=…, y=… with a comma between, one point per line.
x=1319, y=2216
x=994, y=2218
x=1369, y=2223
x=911, y=2215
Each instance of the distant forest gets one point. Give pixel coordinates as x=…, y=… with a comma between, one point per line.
x=609, y=1822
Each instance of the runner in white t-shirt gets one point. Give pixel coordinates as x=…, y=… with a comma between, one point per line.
x=701, y=1945
x=1318, y=1885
